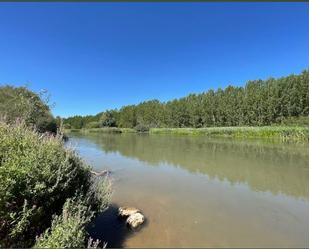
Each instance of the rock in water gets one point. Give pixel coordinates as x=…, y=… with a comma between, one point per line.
x=127, y=211
x=102, y=173
x=135, y=220
x=134, y=216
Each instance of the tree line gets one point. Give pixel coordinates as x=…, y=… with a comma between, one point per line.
x=258, y=103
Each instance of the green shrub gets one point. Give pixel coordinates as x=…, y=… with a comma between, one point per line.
x=47, y=124
x=296, y=121
x=93, y=124
x=37, y=176
x=74, y=217
x=108, y=118
x=141, y=128
x=67, y=126
x=19, y=103
x=68, y=229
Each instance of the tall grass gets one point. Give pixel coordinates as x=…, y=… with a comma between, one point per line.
x=282, y=132
x=102, y=130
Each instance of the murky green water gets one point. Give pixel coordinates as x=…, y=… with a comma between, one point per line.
x=201, y=192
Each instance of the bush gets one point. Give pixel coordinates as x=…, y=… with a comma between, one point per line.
x=37, y=176
x=75, y=216
x=296, y=121
x=141, y=128
x=108, y=118
x=93, y=124
x=47, y=124
x=19, y=103
x=67, y=126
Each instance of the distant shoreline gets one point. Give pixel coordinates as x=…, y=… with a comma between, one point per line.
x=281, y=132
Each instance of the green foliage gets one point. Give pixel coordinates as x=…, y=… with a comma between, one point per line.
x=47, y=124
x=127, y=117
x=103, y=130
x=282, y=132
x=258, y=103
x=37, y=176
x=78, y=122
x=93, y=124
x=75, y=122
x=67, y=126
x=108, y=118
x=296, y=121
x=19, y=103
x=141, y=128
x=68, y=229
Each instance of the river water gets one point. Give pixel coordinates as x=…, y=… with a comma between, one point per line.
x=202, y=192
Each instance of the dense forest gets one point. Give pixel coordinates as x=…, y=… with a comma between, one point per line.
x=258, y=103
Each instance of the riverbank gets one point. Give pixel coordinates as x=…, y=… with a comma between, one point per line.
x=47, y=192
x=164, y=170
x=102, y=130
x=282, y=132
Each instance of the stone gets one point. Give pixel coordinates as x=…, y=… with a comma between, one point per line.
x=135, y=220
x=127, y=211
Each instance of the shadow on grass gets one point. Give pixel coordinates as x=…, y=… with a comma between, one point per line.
x=109, y=228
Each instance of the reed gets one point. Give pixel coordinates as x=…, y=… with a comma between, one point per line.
x=282, y=132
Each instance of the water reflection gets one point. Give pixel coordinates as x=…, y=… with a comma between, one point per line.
x=201, y=192
x=263, y=165
x=109, y=228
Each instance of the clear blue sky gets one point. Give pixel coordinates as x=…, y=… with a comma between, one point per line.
x=97, y=56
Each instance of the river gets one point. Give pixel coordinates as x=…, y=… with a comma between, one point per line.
x=202, y=192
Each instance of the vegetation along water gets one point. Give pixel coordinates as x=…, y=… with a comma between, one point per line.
x=203, y=189
x=282, y=101
x=47, y=193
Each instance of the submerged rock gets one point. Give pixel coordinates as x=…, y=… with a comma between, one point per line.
x=135, y=220
x=101, y=173
x=127, y=211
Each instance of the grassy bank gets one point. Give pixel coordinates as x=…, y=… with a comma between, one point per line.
x=282, y=132
x=102, y=130
x=47, y=193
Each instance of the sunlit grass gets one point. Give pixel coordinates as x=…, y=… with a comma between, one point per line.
x=102, y=130
x=283, y=132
